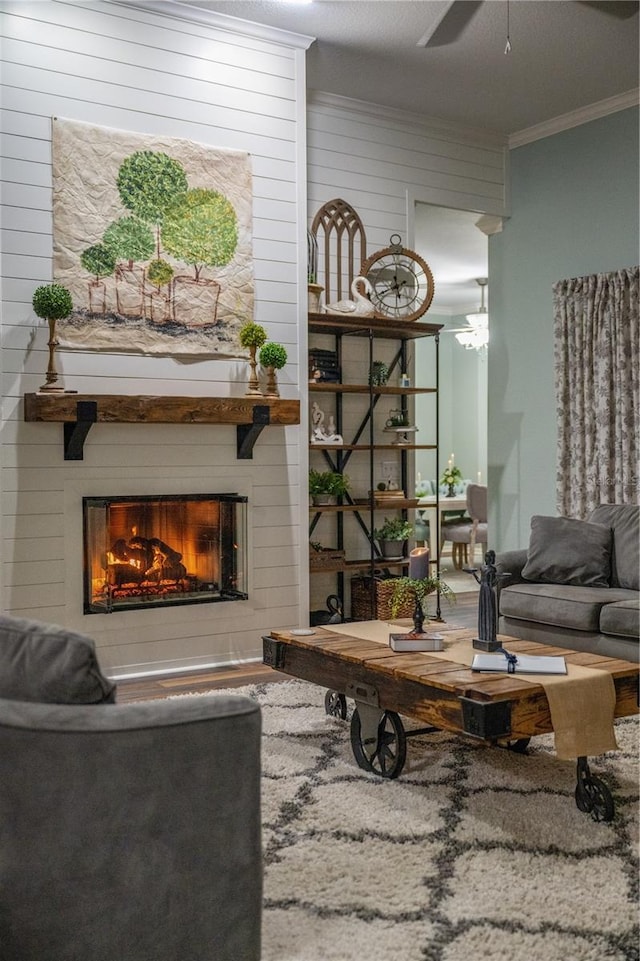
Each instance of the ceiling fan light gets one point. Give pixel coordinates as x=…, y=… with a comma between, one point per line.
x=474, y=339
x=479, y=319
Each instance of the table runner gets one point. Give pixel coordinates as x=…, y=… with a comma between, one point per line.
x=581, y=703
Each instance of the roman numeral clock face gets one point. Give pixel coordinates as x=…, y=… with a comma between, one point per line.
x=402, y=282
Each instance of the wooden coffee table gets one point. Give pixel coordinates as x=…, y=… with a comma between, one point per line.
x=441, y=694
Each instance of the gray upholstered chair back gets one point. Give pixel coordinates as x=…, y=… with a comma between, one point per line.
x=477, y=502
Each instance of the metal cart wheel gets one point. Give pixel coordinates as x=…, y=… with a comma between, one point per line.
x=519, y=746
x=390, y=753
x=594, y=797
x=335, y=705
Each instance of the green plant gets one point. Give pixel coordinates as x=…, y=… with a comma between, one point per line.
x=407, y=587
x=273, y=355
x=252, y=335
x=328, y=482
x=52, y=302
x=394, y=529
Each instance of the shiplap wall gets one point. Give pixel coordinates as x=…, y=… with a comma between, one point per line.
x=141, y=69
x=383, y=162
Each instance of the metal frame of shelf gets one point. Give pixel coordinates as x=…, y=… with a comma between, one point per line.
x=372, y=329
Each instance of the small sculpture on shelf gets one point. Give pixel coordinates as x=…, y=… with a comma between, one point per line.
x=320, y=434
x=360, y=306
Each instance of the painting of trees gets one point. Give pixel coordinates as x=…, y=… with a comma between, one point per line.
x=168, y=240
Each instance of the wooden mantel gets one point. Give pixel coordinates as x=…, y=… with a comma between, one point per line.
x=79, y=411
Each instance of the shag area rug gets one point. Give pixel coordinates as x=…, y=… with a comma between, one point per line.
x=473, y=852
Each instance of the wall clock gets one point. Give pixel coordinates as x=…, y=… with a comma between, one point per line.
x=402, y=282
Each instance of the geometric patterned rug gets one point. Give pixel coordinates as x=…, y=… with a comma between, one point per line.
x=473, y=852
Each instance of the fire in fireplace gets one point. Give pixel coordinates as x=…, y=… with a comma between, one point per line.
x=152, y=551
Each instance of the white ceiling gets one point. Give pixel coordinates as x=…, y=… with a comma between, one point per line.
x=566, y=54
x=446, y=60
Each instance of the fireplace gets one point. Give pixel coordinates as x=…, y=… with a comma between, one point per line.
x=157, y=551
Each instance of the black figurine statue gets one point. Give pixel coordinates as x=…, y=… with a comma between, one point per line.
x=487, y=603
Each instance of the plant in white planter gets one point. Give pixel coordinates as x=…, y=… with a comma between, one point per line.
x=326, y=486
x=52, y=302
x=392, y=535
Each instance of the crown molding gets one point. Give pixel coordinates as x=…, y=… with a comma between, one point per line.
x=178, y=10
x=431, y=125
x=631, y=98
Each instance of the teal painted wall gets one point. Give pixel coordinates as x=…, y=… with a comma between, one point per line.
x=574, y=202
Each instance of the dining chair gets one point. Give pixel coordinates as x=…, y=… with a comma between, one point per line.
x=471, y=532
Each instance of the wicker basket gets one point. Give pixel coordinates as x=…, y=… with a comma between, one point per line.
x=325, y=559
x=361, y=607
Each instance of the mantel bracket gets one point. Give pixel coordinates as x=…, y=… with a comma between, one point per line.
x=247, y=434
x=76, y=432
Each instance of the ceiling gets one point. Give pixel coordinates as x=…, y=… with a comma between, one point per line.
x=565, y=54
x=446, y=60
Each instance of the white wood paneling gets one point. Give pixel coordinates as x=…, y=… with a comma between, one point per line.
x=133, y=68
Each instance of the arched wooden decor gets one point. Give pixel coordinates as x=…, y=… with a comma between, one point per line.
x=342, y=248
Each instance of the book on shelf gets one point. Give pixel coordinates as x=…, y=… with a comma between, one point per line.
x=416, y=642
x=523, y=664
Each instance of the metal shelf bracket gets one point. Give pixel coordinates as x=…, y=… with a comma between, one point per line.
x=247, y=434
x=75, y=433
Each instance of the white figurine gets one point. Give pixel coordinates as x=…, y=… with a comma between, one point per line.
x=318, y=435
x=360, y=306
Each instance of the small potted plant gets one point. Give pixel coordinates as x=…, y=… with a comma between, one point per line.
x=252, y=336
x=392, y=535
x=273, y=357
x=406, y=588
x=52, y=302
x=326, y=486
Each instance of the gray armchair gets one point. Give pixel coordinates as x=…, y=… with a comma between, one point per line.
x=128, y=832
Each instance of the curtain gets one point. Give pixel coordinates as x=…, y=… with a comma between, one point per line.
x=596, y=355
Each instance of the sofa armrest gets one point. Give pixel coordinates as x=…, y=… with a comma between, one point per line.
x=511, y=562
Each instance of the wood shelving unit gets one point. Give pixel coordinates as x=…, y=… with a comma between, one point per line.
x=78, y=412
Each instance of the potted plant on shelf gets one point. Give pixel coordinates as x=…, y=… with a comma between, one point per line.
x=392, y=535
x=252, y=336
x=52, y=302
x=273, y=357
x=326, y=486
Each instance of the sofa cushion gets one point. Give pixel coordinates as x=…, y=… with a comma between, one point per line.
x=576, y=608
x=624, y=519
x=46, y=663
x=563, y=550
x=622, y=618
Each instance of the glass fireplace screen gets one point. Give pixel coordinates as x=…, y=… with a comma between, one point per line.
x=163, y=550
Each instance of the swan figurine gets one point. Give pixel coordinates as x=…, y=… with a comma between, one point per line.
x=359, y=307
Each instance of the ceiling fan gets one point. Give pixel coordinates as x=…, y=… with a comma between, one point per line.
x=452, y=17
x=476, y=334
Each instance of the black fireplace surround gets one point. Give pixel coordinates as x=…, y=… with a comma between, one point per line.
x=163, y=550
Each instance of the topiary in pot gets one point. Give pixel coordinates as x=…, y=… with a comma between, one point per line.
x=391, y=536
x=252, y=336
x=273, y=357
x=52, y=302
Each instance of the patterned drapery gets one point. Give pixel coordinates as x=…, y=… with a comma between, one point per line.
x=597, y=372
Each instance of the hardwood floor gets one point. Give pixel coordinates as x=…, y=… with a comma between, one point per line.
x=463, y=613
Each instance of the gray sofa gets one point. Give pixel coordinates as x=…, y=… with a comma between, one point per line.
x=578, y=583
x=126, y=831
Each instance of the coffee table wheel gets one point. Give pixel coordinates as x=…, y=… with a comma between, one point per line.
x=594, y=797
x=335, y=705
x=519, y=746
x=391, y=749
x=592, y=794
